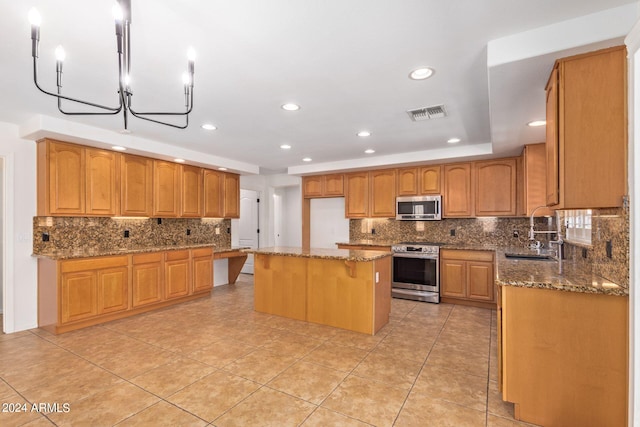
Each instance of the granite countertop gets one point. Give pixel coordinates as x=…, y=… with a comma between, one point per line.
x=93, y=252
x=545, y=274
x=339, y=254
x=369, y=243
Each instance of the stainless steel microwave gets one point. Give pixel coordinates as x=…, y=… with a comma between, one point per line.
x=419, y=208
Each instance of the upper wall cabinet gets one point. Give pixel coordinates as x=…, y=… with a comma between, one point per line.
x=166, y=189
x=74, y=180
x=323, y=186
x=231, y=196
x=356, y=203
x=534, y=168
x=495, y=182
x=136, y=177
x=587, y=130
x=418, y=180
x=382, y=193
x=430, y=179
x=213, y=189
x=192, y=192
x=458, y=191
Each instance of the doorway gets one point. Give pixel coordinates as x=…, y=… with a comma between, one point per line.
x=249, y=224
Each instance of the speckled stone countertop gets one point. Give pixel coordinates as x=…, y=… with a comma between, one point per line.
x=91, y=252
x=369, y=243
x=339, y=254
x=544, y=274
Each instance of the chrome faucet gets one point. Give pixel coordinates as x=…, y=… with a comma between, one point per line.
x=533, y=243
x=559, y=241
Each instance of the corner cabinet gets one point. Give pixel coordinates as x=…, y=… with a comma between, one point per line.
x=534, y=176
x=458, y=191
x=587, y=131
x=468, y=276
x=495, y=191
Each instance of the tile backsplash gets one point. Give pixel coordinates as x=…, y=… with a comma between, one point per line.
x=102, y=233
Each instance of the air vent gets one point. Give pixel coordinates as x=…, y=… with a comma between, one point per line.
x=426, y=113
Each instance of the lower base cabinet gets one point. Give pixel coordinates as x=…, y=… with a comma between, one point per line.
x=77, y=293
x=467, y=277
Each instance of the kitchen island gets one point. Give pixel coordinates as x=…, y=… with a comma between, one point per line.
x=348, y=289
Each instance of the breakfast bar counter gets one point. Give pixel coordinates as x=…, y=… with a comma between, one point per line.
x=336, y=287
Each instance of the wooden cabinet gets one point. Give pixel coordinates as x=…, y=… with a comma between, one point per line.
x=166, y=189
x=467, y=275
x=148, y=280
x=565, y=356
x=80, y=296
x=75, y=180
x=382, y=193
x=202, y=269
x=177, y=274
x=213, y=189
x=231, y=196
x=458, y=191
x=102, y=182
x=587, y=131
x=364, y=247
x=356, y=195
x=419, y=180
x=495, y=187
x=192, y=192
x=136, y=192
x=534, y=176
x=323, y=186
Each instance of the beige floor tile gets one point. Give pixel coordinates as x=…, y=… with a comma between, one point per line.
x=452, y=386
x=356, y=339
x=163, y=414
x=464, y=362
x=260, y=365
x=308, y=381
x=211, y=396
x=175, y=375
x=392, y=371
x=292, y=345
x=368, y=401
x=222, y=352
x=496, y=405
x=267, y=408
x=495, y=421
x=18, y=412
x=323, y=417
x=421, y=411
x=106, y=408
x=338, y=357
x=38, y=422
x=134, y=363
x=402, y=348
x=5, y=391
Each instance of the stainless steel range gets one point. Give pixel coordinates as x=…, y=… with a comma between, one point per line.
x=416, y=271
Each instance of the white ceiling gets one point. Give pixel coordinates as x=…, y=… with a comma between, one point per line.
x=345, y=62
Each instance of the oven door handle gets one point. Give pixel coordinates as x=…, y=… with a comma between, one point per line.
x=416, y=255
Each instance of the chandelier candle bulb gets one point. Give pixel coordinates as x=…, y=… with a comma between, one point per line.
x=35, y=20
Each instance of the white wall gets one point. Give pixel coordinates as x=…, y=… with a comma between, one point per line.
x=328, y=224
x=20, y=268
x=1, y=233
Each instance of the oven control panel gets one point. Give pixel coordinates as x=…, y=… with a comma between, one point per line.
x=422, y=249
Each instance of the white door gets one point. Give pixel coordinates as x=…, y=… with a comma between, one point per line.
x=248, y=224
x=328, y=224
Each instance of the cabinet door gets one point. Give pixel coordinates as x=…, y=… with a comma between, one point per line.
x=147, y=279
x=552, y=143
x=334, y=185
x=430, y=180
x=481, y=282
x=192, y=193
x=166, y=189
x=356, y=195
x=312, y=186
x=79, y=298
x=202, y=273
x=113, y=290
x=231, y=199
x=176, y=274
x=458, y=194
x=66, y=179
x=535, y=180
x=453, y=278
x=102, y=182
x=383, y=193
x=496, y=187
x=136, y=192
x=213, y=189
x=408, y=182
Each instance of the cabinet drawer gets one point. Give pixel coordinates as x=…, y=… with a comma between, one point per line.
x=86, y=264
x=176, y=255
x=467, y=255
x=148, y=258
x=201, y=252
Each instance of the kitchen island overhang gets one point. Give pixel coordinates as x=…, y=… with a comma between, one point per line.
x=347, y=289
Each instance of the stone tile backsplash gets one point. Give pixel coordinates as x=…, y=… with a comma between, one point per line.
x=108, y=233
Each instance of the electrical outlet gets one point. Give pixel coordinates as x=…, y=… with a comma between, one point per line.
x=373, y=231
x=45, y=237
x=159, y=221
x=609, y=249
x=452, y=232
x=188, y=232
x=228, y=230
x=126, y=234
x=516, y=233
x=217, y=230
x=584, y=252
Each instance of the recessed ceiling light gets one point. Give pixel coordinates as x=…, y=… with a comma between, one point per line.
x=364, y=133
x=222, y=169
x=537, y=123
x=118, y=148
x=369, y=151
x=209, y=126
x=290, y=107
x=178, y=160
x=421, y=73
x=306, y=159
x=453, y=140
x=285, y=146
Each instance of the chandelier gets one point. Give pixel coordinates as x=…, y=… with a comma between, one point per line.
x=122, y=16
